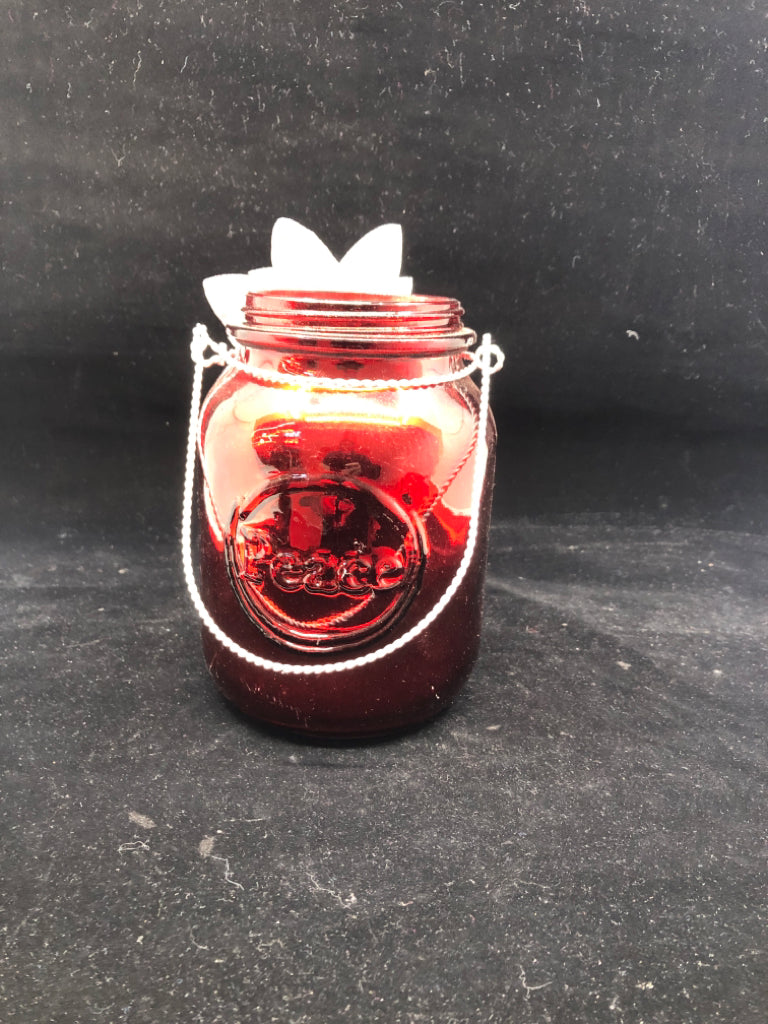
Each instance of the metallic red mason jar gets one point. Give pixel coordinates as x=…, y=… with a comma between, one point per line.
x=344, y=495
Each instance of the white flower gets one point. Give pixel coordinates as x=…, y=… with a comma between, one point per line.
x=301, y=262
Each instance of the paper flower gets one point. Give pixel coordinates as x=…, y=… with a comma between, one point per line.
x=302, y=262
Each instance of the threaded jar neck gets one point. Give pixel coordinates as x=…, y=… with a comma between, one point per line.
x=327, y=322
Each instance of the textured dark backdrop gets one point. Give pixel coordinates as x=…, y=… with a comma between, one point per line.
x=581, y=839
x=588, y=177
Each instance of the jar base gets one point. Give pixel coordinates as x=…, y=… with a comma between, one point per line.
x=398, y=697
x=355, y=736
x=333, y=707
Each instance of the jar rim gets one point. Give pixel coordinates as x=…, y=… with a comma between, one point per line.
x=329, y=321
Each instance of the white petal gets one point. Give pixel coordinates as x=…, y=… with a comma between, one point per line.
x=226, y=295
x=262, y=280
x=377, y=254
x=368, y=285
x=297, y=249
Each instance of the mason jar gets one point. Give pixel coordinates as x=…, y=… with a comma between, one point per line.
x=345, y=468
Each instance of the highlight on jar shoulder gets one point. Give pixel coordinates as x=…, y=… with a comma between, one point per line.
x=338, y=486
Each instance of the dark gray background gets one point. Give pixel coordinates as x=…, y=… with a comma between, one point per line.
x=582, y=838
x=572, y=171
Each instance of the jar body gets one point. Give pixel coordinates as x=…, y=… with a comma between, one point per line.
x=331, y=521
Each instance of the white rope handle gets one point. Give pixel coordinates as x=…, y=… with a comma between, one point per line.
x=488, y=357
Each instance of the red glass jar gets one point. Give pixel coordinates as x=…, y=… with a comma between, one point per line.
x=338, y=458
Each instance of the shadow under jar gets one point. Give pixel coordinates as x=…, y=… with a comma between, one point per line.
x=334, y=514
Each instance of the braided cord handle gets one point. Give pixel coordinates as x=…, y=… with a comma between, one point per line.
x=488, y=357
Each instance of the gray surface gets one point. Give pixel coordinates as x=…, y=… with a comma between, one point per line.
x=582, y=838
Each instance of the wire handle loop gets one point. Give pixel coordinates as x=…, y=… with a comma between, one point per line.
x=205, y=352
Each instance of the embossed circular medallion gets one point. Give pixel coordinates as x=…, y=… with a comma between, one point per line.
x=325, y=564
